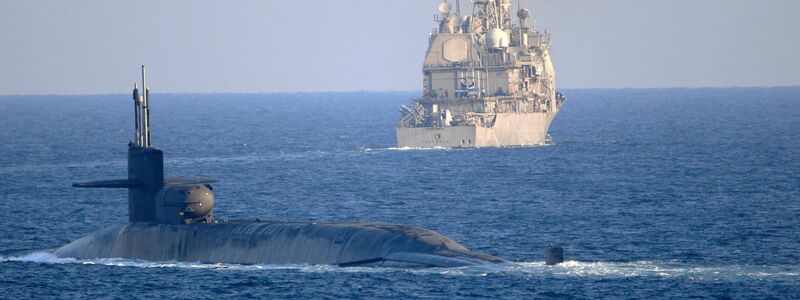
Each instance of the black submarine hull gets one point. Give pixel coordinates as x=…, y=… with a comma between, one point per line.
x=343, y=244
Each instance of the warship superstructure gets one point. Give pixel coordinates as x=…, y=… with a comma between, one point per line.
x=171, y=219
x=487, y=81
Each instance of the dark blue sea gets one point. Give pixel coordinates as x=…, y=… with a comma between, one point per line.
x=653, y=193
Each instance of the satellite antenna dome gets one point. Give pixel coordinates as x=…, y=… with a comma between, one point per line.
x=523, y=13
x=454, y=22
x=496, y=38
x=444, y=7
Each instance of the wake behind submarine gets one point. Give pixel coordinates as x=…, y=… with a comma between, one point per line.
x=171, y=219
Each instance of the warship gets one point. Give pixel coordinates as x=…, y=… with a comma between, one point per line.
x=171, y=219
x=487, y=82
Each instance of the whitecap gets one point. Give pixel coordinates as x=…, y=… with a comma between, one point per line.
x=40, y=257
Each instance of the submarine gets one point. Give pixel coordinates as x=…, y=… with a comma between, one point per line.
x=172, y=219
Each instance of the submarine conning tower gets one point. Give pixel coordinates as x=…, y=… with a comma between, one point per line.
x=145, y=162
x=151, y=197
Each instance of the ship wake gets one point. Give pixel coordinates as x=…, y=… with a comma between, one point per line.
x=610, y=270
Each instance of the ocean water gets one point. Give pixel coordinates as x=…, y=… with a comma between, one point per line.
x=653, y=193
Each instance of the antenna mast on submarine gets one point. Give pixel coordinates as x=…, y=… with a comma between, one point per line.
x=141, y=110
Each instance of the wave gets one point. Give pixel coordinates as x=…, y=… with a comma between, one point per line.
x=660, y=269
x=566, y=269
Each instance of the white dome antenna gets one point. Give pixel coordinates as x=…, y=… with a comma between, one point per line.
x=445, y=8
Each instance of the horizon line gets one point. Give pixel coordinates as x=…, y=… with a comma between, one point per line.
x=394, y=91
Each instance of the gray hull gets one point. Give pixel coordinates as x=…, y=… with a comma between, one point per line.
x=345, y=244
x=509, y=129
x=486, y=82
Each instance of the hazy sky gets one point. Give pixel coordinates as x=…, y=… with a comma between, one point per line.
x=80, y=47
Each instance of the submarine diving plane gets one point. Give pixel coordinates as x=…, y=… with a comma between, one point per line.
x=171, y=219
